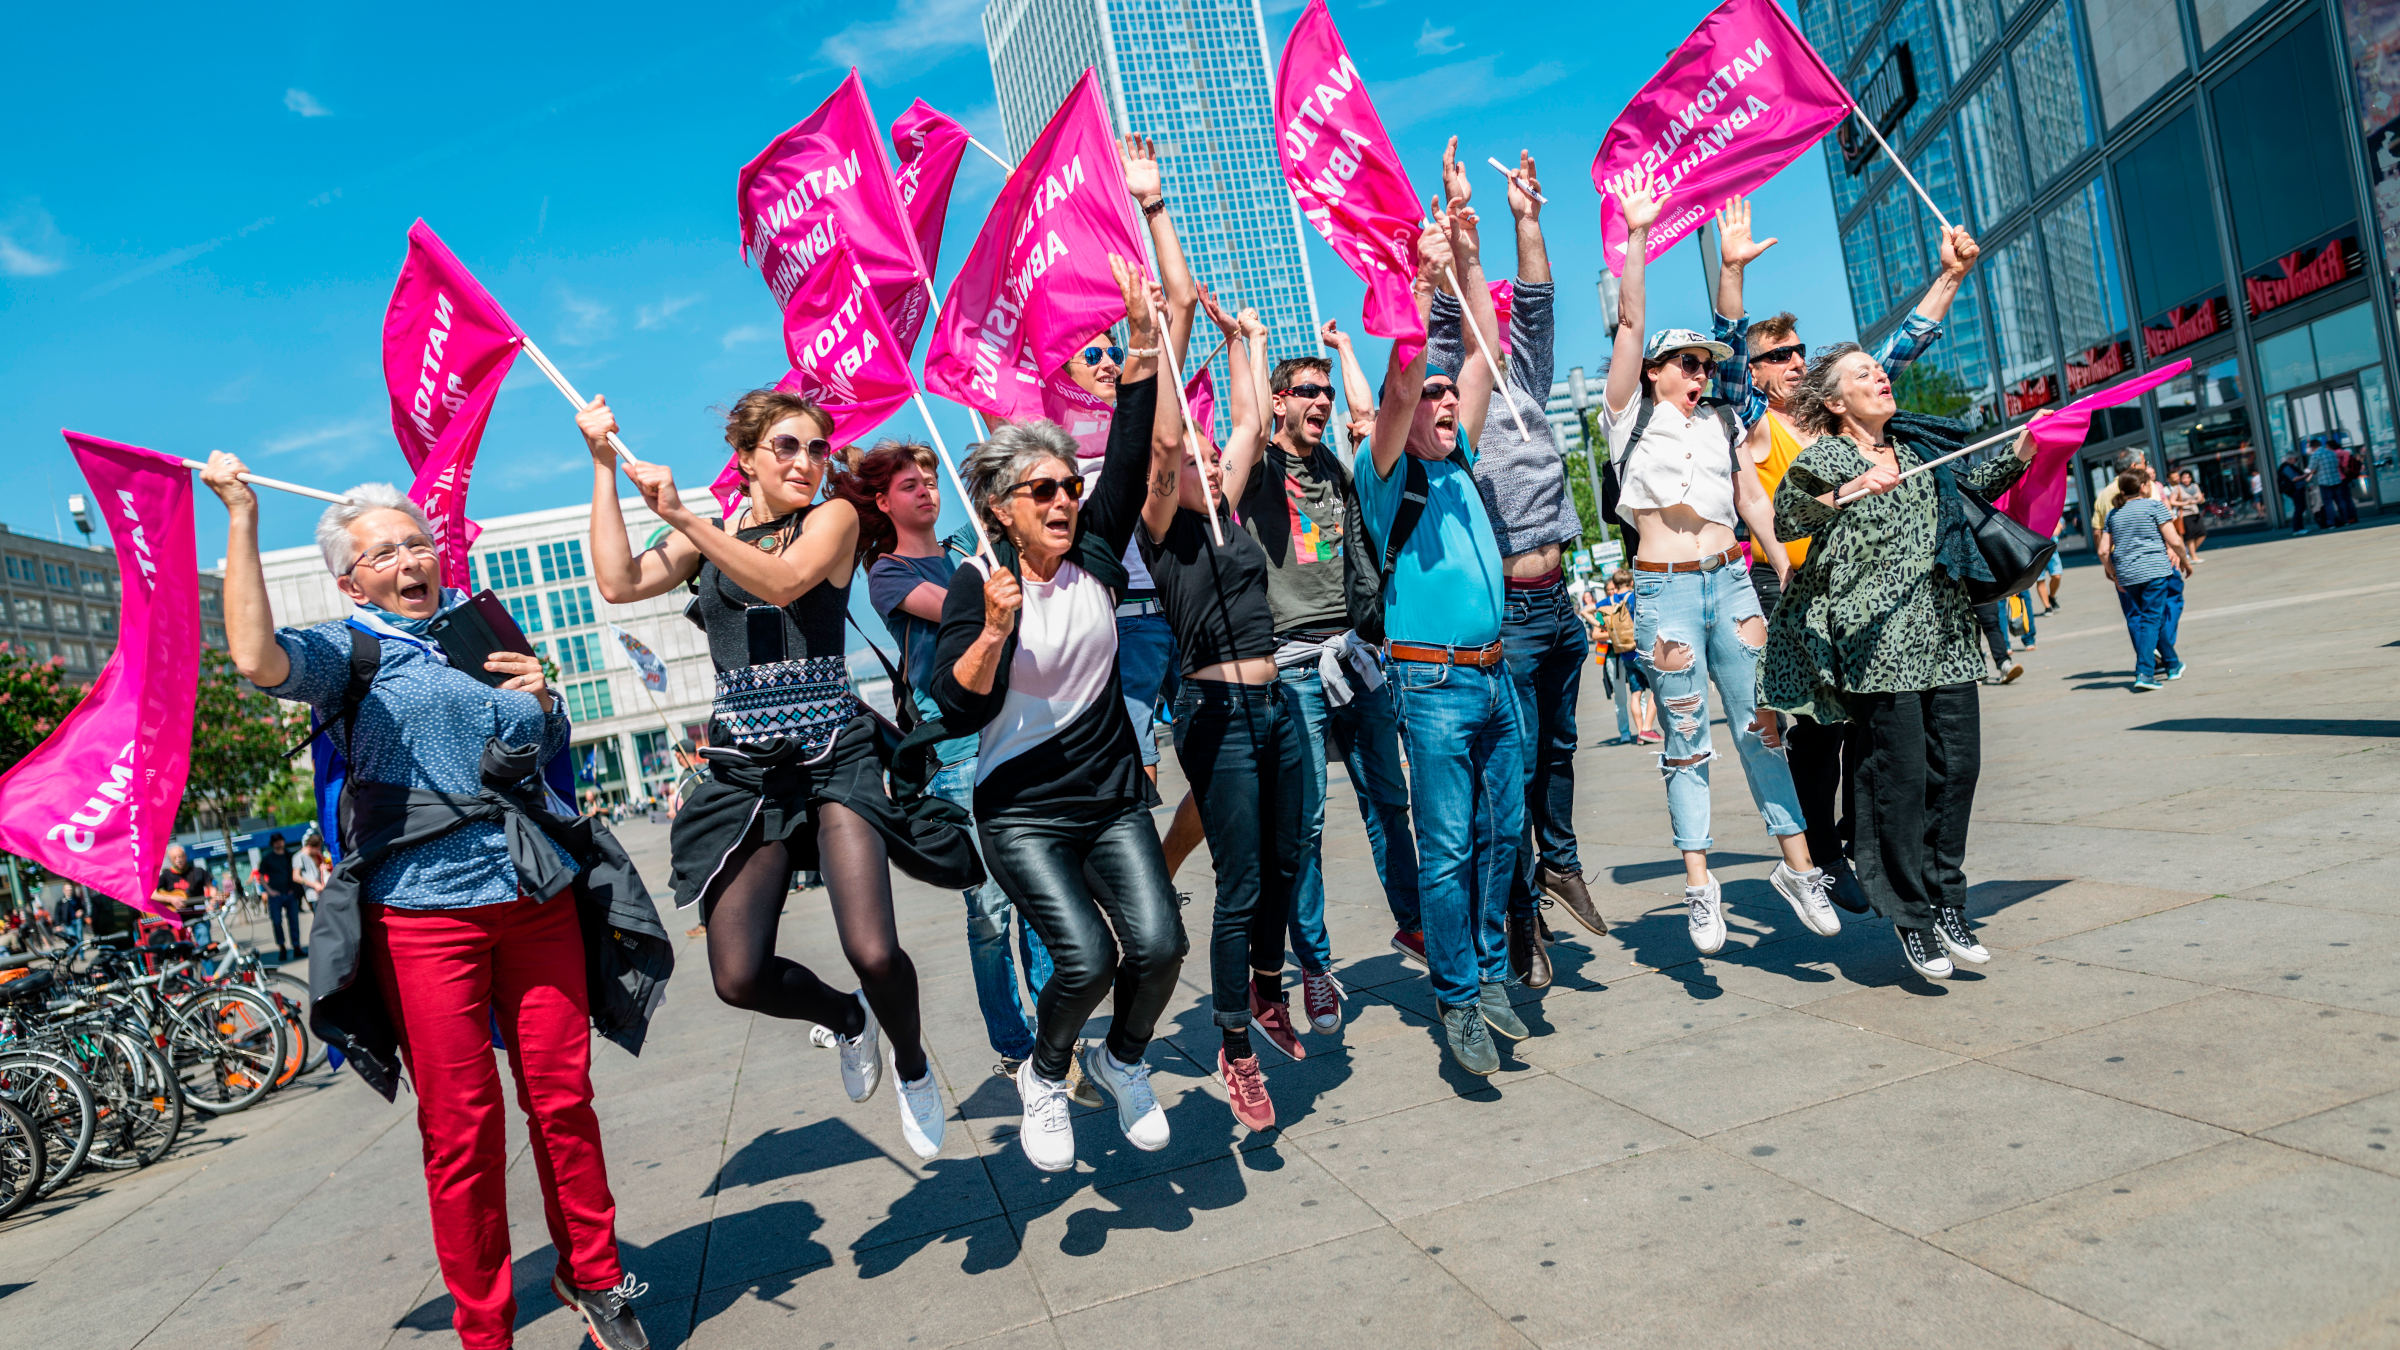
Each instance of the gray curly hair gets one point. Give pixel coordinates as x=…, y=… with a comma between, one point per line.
x=333, y=527
x=1003, y=461
x=1819, y=383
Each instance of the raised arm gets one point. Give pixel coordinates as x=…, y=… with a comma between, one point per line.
x=1404, y=381
x=622, y=576
x=1247, y=438
x=249, y=619
x=1174, y=273
x=1477, y=356
x=1640, y=201
x=1533, y=255
x=1959, y=252
x=1358, y=396
x=1165, y=478
x=1738, y=248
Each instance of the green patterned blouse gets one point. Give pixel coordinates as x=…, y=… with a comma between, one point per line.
x=1868, y=612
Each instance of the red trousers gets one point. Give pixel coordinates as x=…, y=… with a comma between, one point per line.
x=445, y=974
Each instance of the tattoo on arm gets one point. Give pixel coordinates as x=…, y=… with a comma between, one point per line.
x=1162, y=482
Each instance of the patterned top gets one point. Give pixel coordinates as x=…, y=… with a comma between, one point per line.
x=1868, y=613
x=424, y=725
x=2135, y=544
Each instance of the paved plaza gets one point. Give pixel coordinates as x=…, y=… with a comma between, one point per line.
x=2164, y=1114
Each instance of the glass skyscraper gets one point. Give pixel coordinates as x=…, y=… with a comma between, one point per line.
x=1194, y=76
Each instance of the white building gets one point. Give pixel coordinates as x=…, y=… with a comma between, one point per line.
x=537, y=564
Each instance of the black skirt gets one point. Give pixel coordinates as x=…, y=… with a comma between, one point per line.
x=775, y=797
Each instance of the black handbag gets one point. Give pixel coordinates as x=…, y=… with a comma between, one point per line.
x=2015, y=554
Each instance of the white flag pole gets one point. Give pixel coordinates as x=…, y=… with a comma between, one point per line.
x=1986, y=443
x=256, y=480
x=974, y=513
x=976, y=413
x=1005, y=166
x=1499, y=382
x=578, y=400
x=1512, y=177
x=1191, y=429
x=1922, y=194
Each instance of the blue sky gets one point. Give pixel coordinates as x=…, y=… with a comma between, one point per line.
x=200, y=221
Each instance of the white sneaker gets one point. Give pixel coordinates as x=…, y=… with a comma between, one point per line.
x=1708, y=915
x=862, y=1055
x=1807, y=893
x=1047, y=1134
x=920, y=1112
x=823, y=1038
x=1138, y=1113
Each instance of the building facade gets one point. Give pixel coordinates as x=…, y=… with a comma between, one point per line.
x=2151, y=181
x=58, y=602
x=1195, y=76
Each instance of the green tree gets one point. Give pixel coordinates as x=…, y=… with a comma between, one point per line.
x=239, y=737
x=35, y=696
x=1929, y=389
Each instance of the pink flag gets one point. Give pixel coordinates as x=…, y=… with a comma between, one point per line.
x=447, y=348
x=929, y=146
x=1742, y=97
x=729, y=490
x=1036, y=286
x=1200, y=395
x=1345, y=175
x=1504, y=298
x=1084, y=414
x=823, y=180
x=96, y=802
x=844, y=358
x=2036, y=498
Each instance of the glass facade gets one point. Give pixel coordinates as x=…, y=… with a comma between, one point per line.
x=2137, y=46
x=2170, y=227
x=2083, y=272
x=1195, y=75
x=2287, y=177
x=1995, y=161
x=2058, y=119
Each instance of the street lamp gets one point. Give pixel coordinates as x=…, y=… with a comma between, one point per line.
x=81, y=508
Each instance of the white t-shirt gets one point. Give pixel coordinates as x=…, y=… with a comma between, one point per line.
x=1680, y=461
x=1065, y=662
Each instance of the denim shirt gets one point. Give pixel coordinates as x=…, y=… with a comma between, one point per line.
x=424, y=725
x=1902, y=345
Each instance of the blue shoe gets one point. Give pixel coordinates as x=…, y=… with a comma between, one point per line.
x=2177, y=672
x=2146, y=686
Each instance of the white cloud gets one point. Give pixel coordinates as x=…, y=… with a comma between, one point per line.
x=1432, y=41
x=29, y=243
x=589, y=320
x=747, y=334
x=651, y=316
x=311, y=437
x=305, y=103
x=1475, y=82
x=176, y=258
x=16, y=260
x=916, y=35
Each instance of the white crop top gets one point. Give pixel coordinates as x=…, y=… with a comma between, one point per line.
x=1065, y=662
x=1679, y=461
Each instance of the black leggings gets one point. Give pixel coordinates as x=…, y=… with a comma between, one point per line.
x=749, y=907
x=1074, y=880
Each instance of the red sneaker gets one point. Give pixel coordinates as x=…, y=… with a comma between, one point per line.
x=1273, y=1020
x=1247, y=1085
x=1321, y=997
x=1411, y=946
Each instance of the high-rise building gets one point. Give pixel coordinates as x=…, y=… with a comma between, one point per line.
x=1194, y=76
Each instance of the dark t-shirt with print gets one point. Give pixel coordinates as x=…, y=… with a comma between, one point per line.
x=1302, y=536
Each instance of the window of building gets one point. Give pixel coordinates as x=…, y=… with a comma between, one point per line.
x=1987, y=143
x=22, y=569
x=509, y=568
x=2084, y=280
x=2137, y=46
x=2334, y=345
x=2020, y=317
x=571, y=608
x=579, y=655
x=2220, y=17
x=34, y=649
x=1866, y=270
x=66, y=616
x=562, y=561
x=2287, y=177
x=1914, y=25
x=599, y=762
x=59, y=575
x=1896, y=231
x=2058, y=123
x=77, y=655
x=2170, y=229
x=31, y=612
x=526, y=610
x=1968, y=27
x=91, y=582
x=589, y=700
x=104, y=622
x=656, y=756
x=1849, y=189
x=1858, y=25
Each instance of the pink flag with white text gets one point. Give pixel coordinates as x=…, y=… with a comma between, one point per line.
x=1743, y=96
x=1084, y=415
x=2037, y=496
x=440, y=489
x=823, y=181
x=96, y=801
x=1345, y=175
x=447, y=349
x=1036, y=285
x=1200, y=395
x=929, y=146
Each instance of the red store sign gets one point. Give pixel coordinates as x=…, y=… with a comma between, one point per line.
x=2039, y=391
x=2302, y=272
x=2095, y=364
x=2184, y=325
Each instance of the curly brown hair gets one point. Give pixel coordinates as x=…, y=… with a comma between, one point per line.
x=747, y=422
x=865, y=475
x=1819, y=383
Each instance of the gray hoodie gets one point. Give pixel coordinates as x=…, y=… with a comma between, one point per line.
x=1523, y=478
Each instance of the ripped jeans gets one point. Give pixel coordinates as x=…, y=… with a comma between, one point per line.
x=1686, y=630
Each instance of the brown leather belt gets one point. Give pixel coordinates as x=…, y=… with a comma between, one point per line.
x=1707, y=564
x=1486, y=655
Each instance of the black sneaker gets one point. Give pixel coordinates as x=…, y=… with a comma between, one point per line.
x=1950, y=925
x=1567, y=888
x=1846, y=894
x=1924, y=953
x=607, y=1313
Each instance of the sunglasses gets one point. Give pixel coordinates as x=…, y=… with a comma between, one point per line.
x=1694, y=365
x=388, y=557
x=1306, y=391
x=1438, y=389
x=1046, y=490
x=787, y=448
x=1786, y=352
x=1092, y=355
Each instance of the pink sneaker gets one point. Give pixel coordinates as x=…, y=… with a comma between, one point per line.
x=1321, y=997
x=1273, y=1020
x=1247, y=1085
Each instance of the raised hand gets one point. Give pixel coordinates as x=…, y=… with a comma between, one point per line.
x=1330, y=334
x=221, y=478
x=1250, y=324
x=1522, y=187
x=1002, y=598
x=597, y=423
x=1140, y=154
x=1134, y=286
x=1733, y=233
x=657, y=484
x=1454, y=176
x=1641, y=198
x=1959, y=251
x=1226, y=324
x=1433, y=246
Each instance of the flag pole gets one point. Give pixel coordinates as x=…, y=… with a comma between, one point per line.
x=1499, y=382
x=1494, y=161
x=1005, y=166
x=556, y=378
x=1922, y=194
x=1984, y=444
x=1191, y=429
x=976, y=413
x=974, y=512
x=257, y=480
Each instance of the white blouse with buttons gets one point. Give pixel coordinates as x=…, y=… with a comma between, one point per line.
x=1680, y=461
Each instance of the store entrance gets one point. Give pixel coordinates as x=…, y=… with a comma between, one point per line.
x=2338, y=406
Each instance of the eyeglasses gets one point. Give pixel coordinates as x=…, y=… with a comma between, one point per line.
x=1786, y=352
x=1305, y=392
x=387, y=557
x=1695, y=365
x=787, y=448
x=1092, y=355
x=1046, y=490
x=1435, y=390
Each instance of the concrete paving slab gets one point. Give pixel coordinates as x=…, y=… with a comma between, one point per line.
x=2368, y=885
x=2018, y=999
x=2026, y=913
x=2365, y=1132
x=1764, y=1066
x=2230, y=942
x=971, y=1289
x=1632, y=1010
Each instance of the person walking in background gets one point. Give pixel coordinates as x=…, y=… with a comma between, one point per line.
x=282, y=892
x=312, y=867
x=2005, y=668
x=2331, y=469
x=2291, y=480
x=2191, y=510
x=2142, y=554
x=1636, y=720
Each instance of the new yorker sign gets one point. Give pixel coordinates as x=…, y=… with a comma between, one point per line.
x=1886, y=97
x=2303, y=272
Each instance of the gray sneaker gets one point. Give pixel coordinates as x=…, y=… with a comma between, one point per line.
x=1498, y=1014
x=1470, y=1040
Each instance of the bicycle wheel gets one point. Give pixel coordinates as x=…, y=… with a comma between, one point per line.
x=20, y=1160
x=141, y=1105
x=294, y=989
x=52, y=1093
x=227, y=1045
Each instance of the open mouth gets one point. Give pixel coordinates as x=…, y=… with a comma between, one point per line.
x=415, y=592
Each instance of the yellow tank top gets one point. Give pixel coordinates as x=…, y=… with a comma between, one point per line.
x=1782, y=448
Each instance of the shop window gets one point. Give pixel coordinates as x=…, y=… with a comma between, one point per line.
x=2344, y=341
x=2287, y=177
x=1914, y=25
x=2058, y=124
x=2137, y=46
x=1896, y=229
x=2083, y=276
x=1968, y=27
x=656, y=756
x=2170, y=228
x=1866, y=271
x=1987, y=142
x=2219, y=17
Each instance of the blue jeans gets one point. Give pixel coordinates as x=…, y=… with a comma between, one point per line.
x=2152, y=610
x=1145, y=648
x=1466, y=762
x=1365, y=733
x=1546, y=646
x=1005, y=1020
x=1702, y=612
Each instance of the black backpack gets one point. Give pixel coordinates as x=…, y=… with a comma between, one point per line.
x=1367, y=570
x=1734, y=433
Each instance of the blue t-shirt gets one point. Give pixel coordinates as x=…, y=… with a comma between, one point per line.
x=1447, y=586
x=889, y=583
x=2135, y=544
